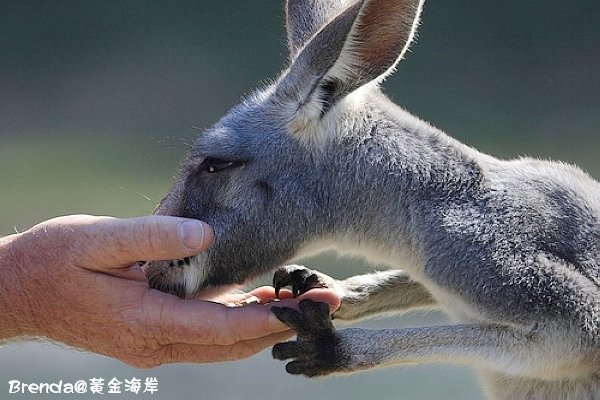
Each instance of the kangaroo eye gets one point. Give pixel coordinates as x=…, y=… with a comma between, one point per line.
x=213, y=164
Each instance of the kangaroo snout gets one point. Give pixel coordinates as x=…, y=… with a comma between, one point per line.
x=174, y=276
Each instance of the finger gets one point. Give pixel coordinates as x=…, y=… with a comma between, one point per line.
x=115, y=242
x=177, y=353
x=190, y=321
x=267, y=294
x=261, y=295
x=132, y=272
x=208, y=323
x=320, y=295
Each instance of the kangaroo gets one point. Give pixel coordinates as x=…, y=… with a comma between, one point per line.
x=322, y=159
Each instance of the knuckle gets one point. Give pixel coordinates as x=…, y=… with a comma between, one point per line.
x=146, y=353
x=152, y=356
x=142, y=342
x=142, y=362
x=243, y=350
x=237, y=353
x=168, y=354
x=55, y=239
x=151, y=237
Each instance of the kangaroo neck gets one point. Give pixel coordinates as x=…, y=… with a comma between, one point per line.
x=392, y=170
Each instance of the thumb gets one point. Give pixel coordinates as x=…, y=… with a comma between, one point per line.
x=104, y=242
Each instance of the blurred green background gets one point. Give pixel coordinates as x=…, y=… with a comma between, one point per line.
x=99, y=101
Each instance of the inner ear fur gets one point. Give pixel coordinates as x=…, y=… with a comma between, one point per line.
x=361, y=44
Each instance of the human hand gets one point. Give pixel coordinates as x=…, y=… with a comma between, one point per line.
x=75, y=280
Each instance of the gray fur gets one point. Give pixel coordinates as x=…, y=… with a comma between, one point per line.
x=307, y=17
x=322, y=159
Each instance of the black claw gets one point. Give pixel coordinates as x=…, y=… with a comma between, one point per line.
x=281, y=278
x=301, y=279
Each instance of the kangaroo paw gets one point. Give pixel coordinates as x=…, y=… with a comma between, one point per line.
x=301, y=279
x=318, y=350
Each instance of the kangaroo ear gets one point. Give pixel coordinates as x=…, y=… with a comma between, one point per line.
x=363, y=43
x=306, y=17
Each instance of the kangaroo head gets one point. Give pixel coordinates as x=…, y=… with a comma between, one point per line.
x=265, y=176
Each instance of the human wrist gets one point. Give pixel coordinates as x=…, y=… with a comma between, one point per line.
x=14, y=314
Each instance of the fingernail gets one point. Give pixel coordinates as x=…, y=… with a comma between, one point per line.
x=252, y=300
x=191, y=233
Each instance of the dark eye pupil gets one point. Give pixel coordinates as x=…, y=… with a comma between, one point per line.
x=212, y=164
